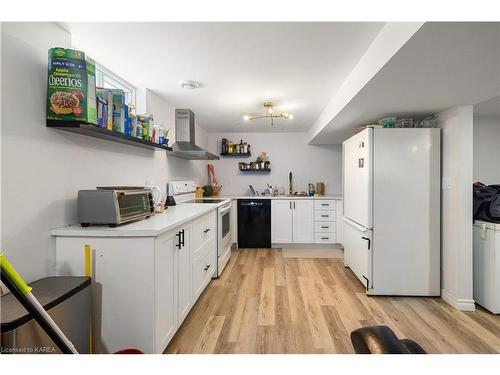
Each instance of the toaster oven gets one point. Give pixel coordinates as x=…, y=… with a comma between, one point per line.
x=113, y=207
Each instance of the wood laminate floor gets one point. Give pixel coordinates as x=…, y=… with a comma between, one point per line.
x=264, y=303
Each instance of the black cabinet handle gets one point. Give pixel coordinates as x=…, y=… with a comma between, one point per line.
x=290, y=205
x=206, y=230
x=369, y=241
x=324, y=204
x=324, y=227
x=178, y=235
x=325, y=238
x=206, y=267
x=325, y=215
x=183, y=238
x=294, y=205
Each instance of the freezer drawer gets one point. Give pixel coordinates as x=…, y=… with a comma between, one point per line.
x=357, y=247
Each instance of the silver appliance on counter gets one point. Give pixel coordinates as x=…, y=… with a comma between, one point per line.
x=114, y=205
x=184, y=193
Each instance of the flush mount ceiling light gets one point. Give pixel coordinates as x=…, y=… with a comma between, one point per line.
x=189, y=85
x=270, y=114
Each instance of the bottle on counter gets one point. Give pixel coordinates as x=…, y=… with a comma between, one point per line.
x=311, y=189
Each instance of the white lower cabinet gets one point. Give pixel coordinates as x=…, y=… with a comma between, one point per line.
x=203, y=269
x=142, y=287
x=281, y=221
x=303, y=221
x=166, y=291
x=325, y=219
x=292, y=221
x=306, y=221
x=185, y=297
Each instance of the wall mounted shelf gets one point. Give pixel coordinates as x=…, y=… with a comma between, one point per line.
x=256, y=170
x=240, y=154
x=102, y=133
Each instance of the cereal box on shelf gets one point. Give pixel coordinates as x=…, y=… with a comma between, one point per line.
x=71, y=91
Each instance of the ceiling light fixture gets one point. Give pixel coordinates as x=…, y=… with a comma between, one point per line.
x=270, y=114
x=189, y=85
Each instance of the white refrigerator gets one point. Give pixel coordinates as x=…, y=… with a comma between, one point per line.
x=391, y=197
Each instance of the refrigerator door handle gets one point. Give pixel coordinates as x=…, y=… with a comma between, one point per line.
x=369, y=242
x=367, y=282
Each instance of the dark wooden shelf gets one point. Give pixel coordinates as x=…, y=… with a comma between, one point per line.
x=241, y=154
x=102, y=133
x=256, y=170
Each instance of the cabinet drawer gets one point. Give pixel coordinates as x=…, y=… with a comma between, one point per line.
x=325, y=238
x=322, y=204
x=203, y=269
x=203, y=232
x=323, y=215
x=324, y=227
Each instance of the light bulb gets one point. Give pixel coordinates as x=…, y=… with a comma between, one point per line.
x=246, y=117
x=270, y=110
x=290, y=117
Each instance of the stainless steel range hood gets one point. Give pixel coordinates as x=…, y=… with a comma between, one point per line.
x=184, y=146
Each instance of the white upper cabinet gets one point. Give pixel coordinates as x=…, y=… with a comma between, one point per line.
x=303, y=221
x=281, y=221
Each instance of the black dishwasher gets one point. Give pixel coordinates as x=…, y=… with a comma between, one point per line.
x=254, y=223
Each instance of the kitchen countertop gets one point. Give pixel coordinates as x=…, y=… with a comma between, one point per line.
x=335, y=197
x=171, y=218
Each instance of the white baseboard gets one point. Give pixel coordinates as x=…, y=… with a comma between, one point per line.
x=459, y=304
x=307, y=246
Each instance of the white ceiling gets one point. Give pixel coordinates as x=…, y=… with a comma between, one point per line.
x=441, y=66
x=299, y=66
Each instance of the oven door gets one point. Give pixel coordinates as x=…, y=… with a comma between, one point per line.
x=224, y=229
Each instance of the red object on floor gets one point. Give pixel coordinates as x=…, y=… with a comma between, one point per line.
x=129, y=351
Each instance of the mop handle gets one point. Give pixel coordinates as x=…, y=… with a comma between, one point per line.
x=22, y=291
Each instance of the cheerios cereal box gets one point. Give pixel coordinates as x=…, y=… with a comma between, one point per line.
x=71, y=91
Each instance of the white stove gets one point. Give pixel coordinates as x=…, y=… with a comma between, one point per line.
x=184, y=193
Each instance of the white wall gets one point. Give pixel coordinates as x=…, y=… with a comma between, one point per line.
x=487, y=150
x=288, y=152
x=456, y=206
x=43, y=169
